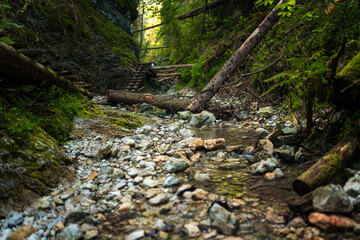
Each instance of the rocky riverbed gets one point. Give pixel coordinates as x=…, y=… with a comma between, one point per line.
x=179, y=176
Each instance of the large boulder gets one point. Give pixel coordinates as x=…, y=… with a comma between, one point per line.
x=203, y=118
x=331, y=198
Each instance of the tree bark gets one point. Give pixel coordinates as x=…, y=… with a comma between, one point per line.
x=212, y=87
x=18, y=68
x=324, y=169
x=165, y=102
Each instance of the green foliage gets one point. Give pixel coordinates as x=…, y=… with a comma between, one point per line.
x=351, y=125
x=6, y=23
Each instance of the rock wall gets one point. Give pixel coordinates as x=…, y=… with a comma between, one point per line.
x=92, y=38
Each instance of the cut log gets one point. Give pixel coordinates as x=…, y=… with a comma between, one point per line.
x=199, y=10
x=171, y=66
x=324, y=169
x=213, y=86
x=303, y=204
x=18, y=68
x=166, y=102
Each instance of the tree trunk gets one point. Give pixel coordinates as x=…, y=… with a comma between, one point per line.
x=324, y=169
x=19, y=69
x=199, y=10
x=212, y=87
x=165, y=102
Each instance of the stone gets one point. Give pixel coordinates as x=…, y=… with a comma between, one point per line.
x=15, y=220
x=149, y=183
x=331, y=222
x=174, y=165
x=171, y=181
x=186, y=132
x=144, y=129
x=129, y=141
x=265, y=112
x=261, y=155
x=59, y=226
x=289, y=139
x=199, y=194
x=278, y=173
x=270, y=176
x=352, y=186
x=271, y=124
x=91, y=234
x=75, y=216
x=192, y=230
x=356, y=203
x=133, y=172
x=160, y=158
x=289, y=130
x=159, y=199
x=184, y=115
x=262, y=132
x=71, y=232
x=300, y=156
x=92, y=176
x=125, y=207
x=197, y=143
x=164, y=148
x=213, y=144
x=202, y=177
x=297, y=222
x=44, y=204
x=136, y=235
x=331, y=198
x=237, y=203
x=21, y=233
x=285, y=153
x=264, y=166
x=183, y=188
x=152, y=192
x=203, y=118
x=266, y=145
x=223, y=220
x=105, y=169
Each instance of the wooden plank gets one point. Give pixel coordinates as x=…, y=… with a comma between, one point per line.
x=171, y=66
x=168, y=74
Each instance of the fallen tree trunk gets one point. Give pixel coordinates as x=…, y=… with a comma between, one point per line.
x=171, y=66
x=303, y=204
x=324, y=169
x=154, y=48
x=213, y=86
x=168, y=74
x=199, y=10
x=18, y=68
x=165, y=102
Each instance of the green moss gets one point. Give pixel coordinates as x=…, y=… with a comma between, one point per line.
x=351, y=125
x=351, y=71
